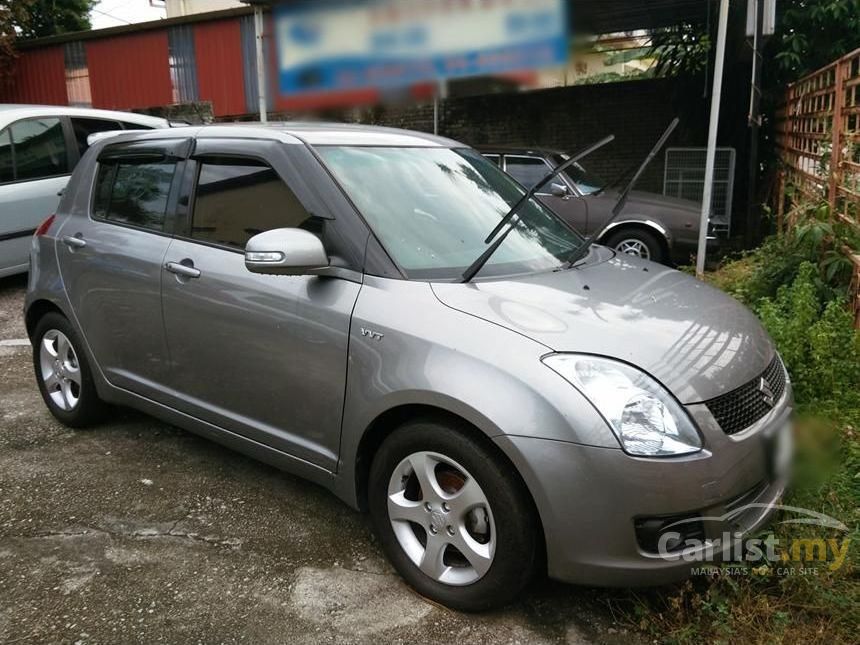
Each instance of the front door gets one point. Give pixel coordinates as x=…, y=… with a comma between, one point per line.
x=261, y=356
x=110, y=257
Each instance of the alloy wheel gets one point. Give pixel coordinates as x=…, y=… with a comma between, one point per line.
x=441, y=518
x=61, y=372
x=634, y=247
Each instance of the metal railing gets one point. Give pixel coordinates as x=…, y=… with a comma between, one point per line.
x=818, y=134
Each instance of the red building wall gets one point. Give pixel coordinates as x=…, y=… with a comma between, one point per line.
x=39, y=77
x=220, y=75
x=130, y=71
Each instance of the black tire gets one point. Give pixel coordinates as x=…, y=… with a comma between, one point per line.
x=89, y=409
x=650, y=240
x=517, y=548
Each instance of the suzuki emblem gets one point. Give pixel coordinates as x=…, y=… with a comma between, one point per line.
x=766, y=392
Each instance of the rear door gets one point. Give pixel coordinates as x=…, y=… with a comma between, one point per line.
x=262, y=356
x=529, y=170
x=111, y=252
x=35, y=163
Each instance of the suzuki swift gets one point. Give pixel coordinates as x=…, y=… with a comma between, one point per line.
x=388, y=314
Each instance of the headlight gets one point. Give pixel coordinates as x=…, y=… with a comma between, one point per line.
x=647, y=420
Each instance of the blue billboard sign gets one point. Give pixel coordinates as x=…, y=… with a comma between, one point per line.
x=390, y=43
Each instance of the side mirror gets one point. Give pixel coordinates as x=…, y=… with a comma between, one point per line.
x=285, y=251
x=559, y=190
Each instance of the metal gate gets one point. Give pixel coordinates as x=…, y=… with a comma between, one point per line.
x=684, y=177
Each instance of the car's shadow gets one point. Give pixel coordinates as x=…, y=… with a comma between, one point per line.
x=341, y=534
x=13, y=282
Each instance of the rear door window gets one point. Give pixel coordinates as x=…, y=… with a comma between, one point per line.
x=85, y=127
x=34, y=149
x=133, y=193
x=7, y=170
x=238, y=198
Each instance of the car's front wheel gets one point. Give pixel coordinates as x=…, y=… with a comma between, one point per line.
x=451, y=516
x=63, y=373
x=638, y=243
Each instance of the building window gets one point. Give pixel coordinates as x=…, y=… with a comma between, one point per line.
x=183, y=65
x=77, y=75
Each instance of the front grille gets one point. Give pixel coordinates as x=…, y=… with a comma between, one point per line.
x=740, y=408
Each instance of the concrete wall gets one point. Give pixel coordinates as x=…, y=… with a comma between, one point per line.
x=187, y=7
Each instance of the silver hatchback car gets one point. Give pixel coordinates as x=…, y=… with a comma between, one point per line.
x=297, y=292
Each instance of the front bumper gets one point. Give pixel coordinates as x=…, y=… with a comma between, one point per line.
x=684, y=252
x=589, y=498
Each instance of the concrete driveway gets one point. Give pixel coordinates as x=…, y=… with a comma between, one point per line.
x=136, y=531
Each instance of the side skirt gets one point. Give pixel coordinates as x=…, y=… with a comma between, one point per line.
x=249, y=447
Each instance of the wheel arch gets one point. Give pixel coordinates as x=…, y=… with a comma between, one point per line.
x=36, y=311
x=660, y=232
x=392, y=419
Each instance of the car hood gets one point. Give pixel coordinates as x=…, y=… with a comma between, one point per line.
x=696, y=340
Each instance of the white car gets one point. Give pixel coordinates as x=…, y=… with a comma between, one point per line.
x=40, y=146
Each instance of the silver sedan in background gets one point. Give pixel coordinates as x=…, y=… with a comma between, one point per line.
x=654, y=227
x=40, y=145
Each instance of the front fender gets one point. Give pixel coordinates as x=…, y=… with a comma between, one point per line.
x=424, y=353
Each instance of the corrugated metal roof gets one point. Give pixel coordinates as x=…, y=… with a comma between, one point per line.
x=220, y=70
x=131, y=71
x=612, y=16
x=39, y=77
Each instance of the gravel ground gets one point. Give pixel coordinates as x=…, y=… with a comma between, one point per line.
x=139, y=532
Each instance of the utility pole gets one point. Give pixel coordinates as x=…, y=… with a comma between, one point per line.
x=716, y=99
x=259, y=34
x=259, y=28
x=753, y=227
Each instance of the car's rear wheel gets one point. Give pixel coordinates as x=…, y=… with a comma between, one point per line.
x=63, y=373
x=452, y=518
x=638, y=243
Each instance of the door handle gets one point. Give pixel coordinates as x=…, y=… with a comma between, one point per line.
x=181, y=269
x=74, y=241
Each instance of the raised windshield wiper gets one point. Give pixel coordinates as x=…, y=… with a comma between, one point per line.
x=478, y=264
x=582, y=249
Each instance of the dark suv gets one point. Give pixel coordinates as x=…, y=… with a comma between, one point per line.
x=653, y=227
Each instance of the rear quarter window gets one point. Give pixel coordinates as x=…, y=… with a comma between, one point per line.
x=84, y=127
x=133, y=193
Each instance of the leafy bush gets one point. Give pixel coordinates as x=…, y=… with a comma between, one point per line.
x=817, y=340
x=816, y=238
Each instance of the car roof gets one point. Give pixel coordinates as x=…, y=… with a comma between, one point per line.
x=310, y=133
x=530, y=151
x=11, y=112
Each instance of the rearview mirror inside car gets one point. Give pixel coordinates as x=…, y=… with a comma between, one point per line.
x=285, y=251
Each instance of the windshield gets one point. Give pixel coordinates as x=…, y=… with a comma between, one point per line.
x=585, y=182
x=432, y=209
